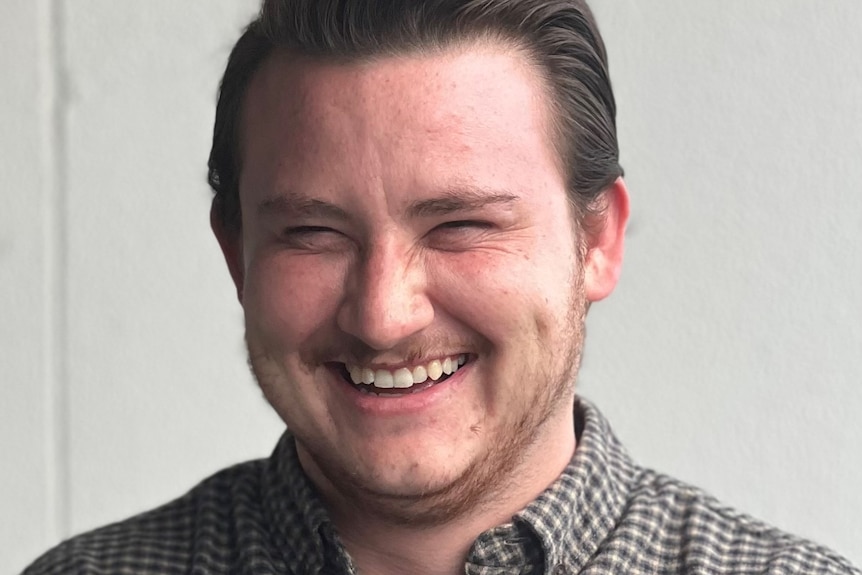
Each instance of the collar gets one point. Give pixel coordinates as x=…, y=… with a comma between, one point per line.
x=569, y=520
x=557, y=533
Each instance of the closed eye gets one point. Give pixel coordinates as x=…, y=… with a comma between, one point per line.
x=458, y=235
x=464, y=225
x=314, y=238
x=299, y=230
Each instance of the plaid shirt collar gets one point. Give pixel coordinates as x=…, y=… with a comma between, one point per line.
x=556, y=533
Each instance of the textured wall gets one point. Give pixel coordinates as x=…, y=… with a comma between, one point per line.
x=731, y=354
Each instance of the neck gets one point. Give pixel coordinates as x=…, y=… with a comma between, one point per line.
x=379, y=546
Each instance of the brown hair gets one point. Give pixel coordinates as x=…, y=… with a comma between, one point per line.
x=560, y=36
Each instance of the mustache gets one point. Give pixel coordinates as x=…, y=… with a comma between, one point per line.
x=349, y=349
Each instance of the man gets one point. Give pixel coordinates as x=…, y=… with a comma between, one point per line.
x=418, y=201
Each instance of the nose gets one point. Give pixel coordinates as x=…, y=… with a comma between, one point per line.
x=386, y=298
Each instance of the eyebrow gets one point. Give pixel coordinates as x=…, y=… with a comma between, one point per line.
x=300, y=205
x=460, y=199
x=453, y=200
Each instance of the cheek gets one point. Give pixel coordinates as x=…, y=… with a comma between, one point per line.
x=463, y=286
x=504, y=298
x=290, y=297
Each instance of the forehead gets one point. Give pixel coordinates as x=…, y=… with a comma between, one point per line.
x=477, y=111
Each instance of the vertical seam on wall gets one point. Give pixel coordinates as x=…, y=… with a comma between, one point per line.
x=56, y=242
x=47, y=91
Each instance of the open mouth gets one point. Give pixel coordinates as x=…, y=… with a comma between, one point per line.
x=401, y=381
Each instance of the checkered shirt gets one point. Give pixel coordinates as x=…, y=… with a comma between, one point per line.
x=604, y=515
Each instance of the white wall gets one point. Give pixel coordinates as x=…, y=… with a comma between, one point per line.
x=28, y=270
x=731, y=354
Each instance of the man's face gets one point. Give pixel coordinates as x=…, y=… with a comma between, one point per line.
x=401, y=217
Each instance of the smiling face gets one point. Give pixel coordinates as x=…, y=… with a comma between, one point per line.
x=405, y=221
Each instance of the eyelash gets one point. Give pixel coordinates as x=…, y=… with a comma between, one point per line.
x=312, y=238
x=464, y=224
x=299, y=230
x=446, y=236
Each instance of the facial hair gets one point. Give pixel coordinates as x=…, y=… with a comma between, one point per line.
x=487, y=478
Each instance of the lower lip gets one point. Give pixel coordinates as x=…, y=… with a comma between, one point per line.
x=406, y=403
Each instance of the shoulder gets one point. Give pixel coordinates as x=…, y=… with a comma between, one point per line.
x=680, y=525
x=201, y=525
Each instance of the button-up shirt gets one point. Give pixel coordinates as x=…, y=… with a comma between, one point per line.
x=604, y=514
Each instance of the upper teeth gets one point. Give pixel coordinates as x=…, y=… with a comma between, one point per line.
x=406, y=377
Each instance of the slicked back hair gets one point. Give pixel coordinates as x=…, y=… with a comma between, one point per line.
x=559, y=36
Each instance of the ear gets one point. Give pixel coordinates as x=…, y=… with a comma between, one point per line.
x=605, y=243
x=230, y=241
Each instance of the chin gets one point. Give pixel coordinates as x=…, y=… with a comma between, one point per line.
x=417, y=487
x=420, y=497
x=419, y=479
x=401, y=486
x=406, y=467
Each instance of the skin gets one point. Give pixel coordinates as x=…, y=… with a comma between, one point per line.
x=397, y=211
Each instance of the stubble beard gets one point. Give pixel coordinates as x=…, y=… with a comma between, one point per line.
x=482, y=482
